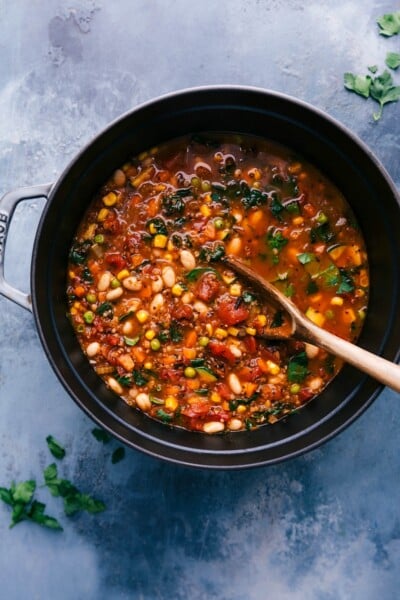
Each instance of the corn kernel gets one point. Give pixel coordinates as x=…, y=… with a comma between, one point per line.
x=273, y=368
x=160, y=241
x=215, y=397
x=209, y=328
x=123, y=274
x=298, y=221
x=110, y=199
x=220, y=333
x=103, y=212
x=337, y=301
x=150, y=334
x=77, y=305
x=315, y=316
x=229, y=278
x=73, y=311
x=148, y=365
x=261, y=320
x=235, y=289
x=171, y=403
x=168, y=256
x=170, y=246
x=71, y=274
x=241, y=408
x=205, y=210
x=177, y=290
x=233, y=331
x=142, y=316
x=152, y=228
x=251, y=331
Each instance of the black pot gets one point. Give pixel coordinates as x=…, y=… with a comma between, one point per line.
x=322, y=141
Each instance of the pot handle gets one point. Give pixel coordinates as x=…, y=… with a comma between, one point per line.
x=8, y=204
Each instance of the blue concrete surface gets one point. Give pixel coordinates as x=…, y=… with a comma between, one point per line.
x=325, y=526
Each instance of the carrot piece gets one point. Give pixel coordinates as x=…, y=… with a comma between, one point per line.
x=191, y=339
x=79, y=291
x=139, y=354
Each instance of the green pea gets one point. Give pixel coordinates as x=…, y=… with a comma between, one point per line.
x=219, y=223
x=155, y=344
x=294, y=388
x=99, y=238
x=205, y=186
x=190, y=372
x=88, y=317
x=203, y=341
x=91, y=298
x=115, y=283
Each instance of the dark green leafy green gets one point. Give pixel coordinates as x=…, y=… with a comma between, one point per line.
x=346, y=284
x=389, y=24
x=101, y=435
x=105, y=309
x=175, y=332
x=118, y=455
x=277, y=208
x=276, y=240
x=157, y=226
x=297, y=368
x=74, y=500
x=55, y=447
x=164, y=416
x=277, y=321
x=139, y=378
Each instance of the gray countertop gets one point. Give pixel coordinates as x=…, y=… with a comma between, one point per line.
x=324, y=526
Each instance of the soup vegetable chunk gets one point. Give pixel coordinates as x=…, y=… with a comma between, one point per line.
x=168, y=326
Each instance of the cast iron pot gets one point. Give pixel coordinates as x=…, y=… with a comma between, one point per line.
x=317, y=137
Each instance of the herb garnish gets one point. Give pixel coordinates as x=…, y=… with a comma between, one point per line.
x=55, y=447
x=392, y=60
x=74, y=500
x=389, y=24
x=101, y=435
x=24, y=507
x=118, y=455
x=297, y=368
x=381, y=88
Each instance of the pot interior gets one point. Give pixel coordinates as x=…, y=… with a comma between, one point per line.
x=317, y=138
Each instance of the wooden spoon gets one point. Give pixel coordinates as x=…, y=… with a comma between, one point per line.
x=305, y=330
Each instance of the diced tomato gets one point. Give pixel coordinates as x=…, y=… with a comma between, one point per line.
x=230, y=311
x=113, y=340
x=251, y=343
x=305, y=394
x=197, y=409
x=223, y=390
x=207, y=288
x=182, y=311
x=271, y=392
x=250, y=372
x=115, y=260
x=170, y=375
x=221, y=350
x=112, y=224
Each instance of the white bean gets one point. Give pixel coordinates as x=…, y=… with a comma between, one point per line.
x=132, y=284
x=114, y=294
x=115, y=386
x=168, y=275
x=92, y=349
x=200, y=307
x=143, y=401
x=104, y=281
x=315, y=384
x=187, y=260
x=235, y=350
x=156, y=303
x=212, y=426
x=235, y=424
x=127, y=327
x=234, y=383
x=157, y=285
x=311, y=350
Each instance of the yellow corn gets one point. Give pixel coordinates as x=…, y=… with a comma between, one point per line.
x=215, y=397
x=273, y=368
x=171, y=403
x=150, y=334
x=142, y=316
x=177, y=290
x=148, y=365
x=160, y=241
x=337, y=301
x=152, y=228
x=205, y=210
x=297, y=221
x=123, y=274
x=261, y=320
x=110, y=199
x=209, y=328
x=170, y=246
x=103, y=212
x=233, y=331
x=220, y=333
x=235, y=289
x=241, y=408
x=251, y=331
x=229, y=278
x=315, y=316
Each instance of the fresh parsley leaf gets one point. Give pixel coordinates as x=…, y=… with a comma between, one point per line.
x=289, y=290
x=118, y=455
x=373, y=69
x=346, y=283
x=55, y=447
x=101, y=435
x=297, y=368
x=276, y=240
x=305, y=258
x=392, y=60
x=37, y=515
x=23, y=492
x=389, y=24
x=6, y=496
x=139, y=378
x=360, y=84
x=383, y=91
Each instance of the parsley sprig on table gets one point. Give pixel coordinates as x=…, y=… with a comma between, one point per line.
x=379, y=87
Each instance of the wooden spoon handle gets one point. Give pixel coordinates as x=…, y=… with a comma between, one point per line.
x=381, y=369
